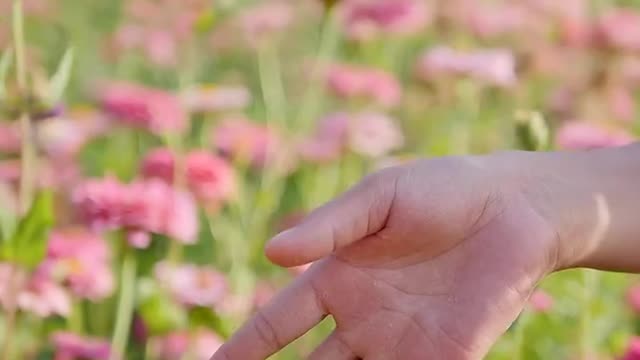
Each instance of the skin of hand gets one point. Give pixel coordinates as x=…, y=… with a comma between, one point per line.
x=430, y=260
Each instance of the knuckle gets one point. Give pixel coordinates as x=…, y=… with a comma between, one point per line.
x=266, y=331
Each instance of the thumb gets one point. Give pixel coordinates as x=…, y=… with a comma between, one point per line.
x=360, y=212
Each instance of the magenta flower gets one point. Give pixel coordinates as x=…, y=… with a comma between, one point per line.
x=495, y=67
x=633, y=351
x=633, y=298
x=352, y=82
x=620, y=30
x=192, y=285
x=541, y=302
x=69, y=346
x=216, y=98
x=374, y=134
x=329, y=141
x=578, y=135
x=82, y=260
x=198, y=345
x=155, y=110
x=209, y=177
x=139, y=208
x=9, y=138
x=366, y=19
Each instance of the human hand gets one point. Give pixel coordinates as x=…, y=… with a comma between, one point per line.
x=432, y=259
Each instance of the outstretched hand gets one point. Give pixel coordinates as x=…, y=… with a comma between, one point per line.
x=434, y=259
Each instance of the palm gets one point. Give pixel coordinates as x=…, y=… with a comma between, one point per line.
x=411, y=280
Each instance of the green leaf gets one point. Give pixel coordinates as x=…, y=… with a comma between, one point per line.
x=532, y=131
x=28, y=245
x=161, y=315
x=5, y=65
x=8, y=216
x=60, y=79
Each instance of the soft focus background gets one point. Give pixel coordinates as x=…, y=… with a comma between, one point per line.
x=149, y=148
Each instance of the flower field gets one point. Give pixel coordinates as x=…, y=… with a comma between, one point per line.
x=150, y=148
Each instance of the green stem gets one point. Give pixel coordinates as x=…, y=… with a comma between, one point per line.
x=589, y=287
x=76, y=318
x=124, y=313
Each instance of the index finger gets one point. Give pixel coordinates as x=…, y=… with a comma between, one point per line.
x=288, y=316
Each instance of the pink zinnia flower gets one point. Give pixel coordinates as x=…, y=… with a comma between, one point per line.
x=540, y=301
x=155, y=110
x=492, y=66
x=82, y=260
x=633, y=351
x=329, y=141
x=578, y=135
x=374, y=134
x=264, y=20
x=208, y=176
x=368, y=18
x=633, y=298
x=620, y=29
x=9, y=138
x=192, y=285
x=198, y=345
x=216, y=98
x=139, y=208
x=247, y=141
x=161, y=47
x=351, y=81
x=69, y=346
x=43, y=297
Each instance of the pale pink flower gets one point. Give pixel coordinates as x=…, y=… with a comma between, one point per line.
x=633, y=350
x=155, y=110
x=621, y=103
x=540, y=301
x=620, y=30
x=161, y=47
x=43, y=297
x=576, y=32
x=247, y=141
x=141, y=207
x=578, y=135
x=492, y=66
x=633, y=298
x=329, y=141
x=374, y=134
x=69, y=346
x=209, y=177
x=82, y=260
x=10, y=170
x=216, y=98
x=352, y=82
x=192, y=285
x=9, y=138
x=487, y=21
x=64, y=137
x=365, y=19
x=197, y=345
x=559, y=9
x=261, y=21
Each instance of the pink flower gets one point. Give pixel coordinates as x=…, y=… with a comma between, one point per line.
x=209, y=177
x=139, y=208
x=9, y=138
x=161, y=47
x=583, y=135
x=64, y=137
x=492, y=66
x=216, y=98
x=261, y=21
x=198, y=345
x=487, y=21
x=620, y=30
x=633, y=351
x=69, y=346
x=621, y=103
x=329, y=141
x=82, y=260
x=249, y=142
x=374, y=134
x=192, y=285
x=351, y=81
x=43, y=297
x=633, y=298
x=369, y=18
x=540, y=301
x=155, y=110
